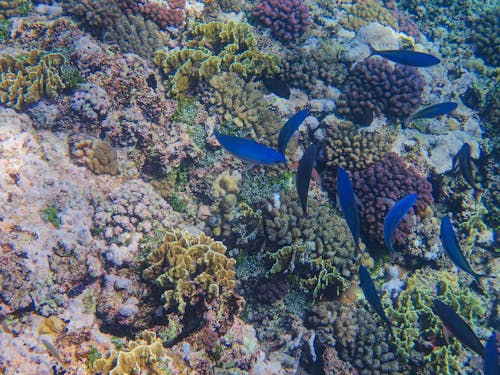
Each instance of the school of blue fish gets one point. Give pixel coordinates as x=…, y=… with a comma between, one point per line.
x=255, y=153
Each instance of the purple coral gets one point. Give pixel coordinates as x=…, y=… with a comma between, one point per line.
x=379, y=186
x=287, y=19
x=375, y=86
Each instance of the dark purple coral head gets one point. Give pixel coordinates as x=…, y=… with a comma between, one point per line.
x=288, y=19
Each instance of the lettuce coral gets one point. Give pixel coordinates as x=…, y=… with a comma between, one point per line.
x=211, y=48
x=26, y=78
x=190, y=269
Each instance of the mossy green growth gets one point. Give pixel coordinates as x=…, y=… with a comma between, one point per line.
x=211, y=48
x=28, y=77
x=50, y=214
x=186, y=111
x=5, y=29
x=93, y=356
x=415, y=321
x=257, y=186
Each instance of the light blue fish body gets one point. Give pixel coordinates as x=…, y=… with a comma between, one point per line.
x=249, y=151
x=289, y=128
x=394, y=217
x=370, y=292
x=408, y=57
x=452, y=248
x=435, y=110
x=490, y=364
x=347, y=202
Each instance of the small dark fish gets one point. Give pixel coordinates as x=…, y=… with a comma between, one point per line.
x=490, y=363
x=458, y=327
x=452, y=248
x=277, y=87
x=303, y=175
x=248, y=150
x=289, y=128
x=394, y=217
x=408, y=57
x=435, y=110
x=462, y=161
x=346, y=201
x=366, y=283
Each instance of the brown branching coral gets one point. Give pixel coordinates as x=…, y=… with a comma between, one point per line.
x=98, y=156
x=191, y=270
x=351, y=148
x=241, y=103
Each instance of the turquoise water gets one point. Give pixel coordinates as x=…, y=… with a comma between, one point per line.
x=135, y=241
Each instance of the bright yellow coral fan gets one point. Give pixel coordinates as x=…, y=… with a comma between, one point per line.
x=191, y=269
x=211, y=48
x=26, y=78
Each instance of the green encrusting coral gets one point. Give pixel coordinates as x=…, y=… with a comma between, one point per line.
x=416, y=323
x=28, y=77
x=212, y=48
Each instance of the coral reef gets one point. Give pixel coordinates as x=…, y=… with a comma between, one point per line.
x=351, y=148
x=242, y=104
x=322, y=232
x=95, y=15
x=128, y=214
x=382, y=184
x=98, y=156
x=14, y=8
x=191, y=270
x=306, y=67
x=164, y=13
x=417, y=327
x=211, y=48
x=357, y=335
x=485, y=31
x=375, y=87
x=26, y=78
x=366, y=11
x=288, y=19
x=134, y=33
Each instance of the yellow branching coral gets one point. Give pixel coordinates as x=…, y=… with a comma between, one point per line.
x=191, y=269
x=146, y=355
x=26, y=78
x=367, y=11
x=211, y=48
x=241, y=103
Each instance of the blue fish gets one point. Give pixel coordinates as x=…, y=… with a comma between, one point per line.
x=366, y=283
x=347, y=202
x=490, y=363
x=289, y=128
x=452, y=248
x=277, y=87
x=434, y=110
x=248, y=150
x=462, y=161
x=394, y=217
x=458, y=327
x=408, y=57
x=303, y=175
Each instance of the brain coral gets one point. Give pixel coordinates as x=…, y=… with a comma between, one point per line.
x=382, y=184
x=323, y=232
x=192, y=270
x=26, y=78
x=288, y=19
x=211, y=48
x=374, y=87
